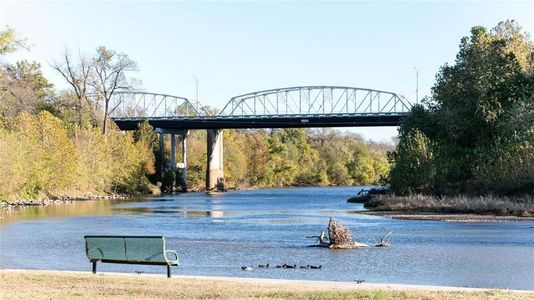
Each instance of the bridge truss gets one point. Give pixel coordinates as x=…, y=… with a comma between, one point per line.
x=316, y=101
x=135, y=104
x=294, y=107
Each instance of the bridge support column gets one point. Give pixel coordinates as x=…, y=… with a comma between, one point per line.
x=183, y=165
x=172, y=164
x=161, y=154
x=214, y=170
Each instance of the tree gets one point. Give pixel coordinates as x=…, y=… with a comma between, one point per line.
x=50, y=157
x=473, y=94
x=412, y=164
x=77, y=75
x=235, y=159
x=109, y=77
x=477, y=118
x=257, y=151
x=10, y=42
x=517, y=42
x=23, y=88
x=145, y=133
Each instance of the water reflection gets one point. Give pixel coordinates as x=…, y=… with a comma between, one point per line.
x=77, y=208
x=212, y=207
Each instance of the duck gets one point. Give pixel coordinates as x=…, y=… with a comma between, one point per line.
x=279, y=266
x=246, y=268
x=304, y=267
x=291, y=267
x=263, y=266
x=316, y=267
x=359, y=281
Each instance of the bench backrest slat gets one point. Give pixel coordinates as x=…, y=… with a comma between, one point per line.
x=145, y=249
x=126, y=248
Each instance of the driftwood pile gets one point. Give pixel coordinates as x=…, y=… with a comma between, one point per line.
x=338, y=234
x=339, y=237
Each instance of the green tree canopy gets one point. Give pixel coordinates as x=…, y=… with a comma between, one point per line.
x=478, y=106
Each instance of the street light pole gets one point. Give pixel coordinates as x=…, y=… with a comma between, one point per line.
x=416, y=84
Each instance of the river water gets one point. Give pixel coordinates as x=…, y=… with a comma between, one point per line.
x=217, y=234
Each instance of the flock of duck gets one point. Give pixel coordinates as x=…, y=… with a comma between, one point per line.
x=284, y=266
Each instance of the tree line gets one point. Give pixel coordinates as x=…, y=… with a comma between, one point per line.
x=475, y=133
x=61, y=143
x=291, y=157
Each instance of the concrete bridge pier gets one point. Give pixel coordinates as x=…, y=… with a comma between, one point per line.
x=183, y=165
x=214, y=170
x=172, y=163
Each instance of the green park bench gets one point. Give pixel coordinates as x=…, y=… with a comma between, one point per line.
x=141, y=250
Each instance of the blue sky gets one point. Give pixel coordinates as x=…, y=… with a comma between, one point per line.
x=239, y=47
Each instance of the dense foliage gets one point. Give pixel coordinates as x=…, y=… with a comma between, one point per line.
x=475, y=134
x=284, y=157
x=42, y=158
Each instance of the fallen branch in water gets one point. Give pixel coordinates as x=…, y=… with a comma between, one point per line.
x=384, y=242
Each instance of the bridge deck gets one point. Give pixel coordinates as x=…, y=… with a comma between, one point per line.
x=281, y=121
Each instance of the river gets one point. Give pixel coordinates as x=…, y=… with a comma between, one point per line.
x=217, y=234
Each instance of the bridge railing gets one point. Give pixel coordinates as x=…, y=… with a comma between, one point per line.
x=135, y=104
x=316, y=100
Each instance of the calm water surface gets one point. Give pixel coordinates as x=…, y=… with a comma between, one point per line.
x=216, y=235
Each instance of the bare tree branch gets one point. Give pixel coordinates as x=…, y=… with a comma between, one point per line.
x=109, y=76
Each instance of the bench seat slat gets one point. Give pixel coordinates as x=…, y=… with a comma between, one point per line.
x=133, y=262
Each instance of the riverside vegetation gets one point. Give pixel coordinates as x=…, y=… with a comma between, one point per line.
x=60, y=143
x=474, y=136
x=490, y=205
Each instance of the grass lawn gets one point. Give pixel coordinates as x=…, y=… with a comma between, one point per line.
x=58, y=285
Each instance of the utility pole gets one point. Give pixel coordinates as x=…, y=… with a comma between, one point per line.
x=196, y=96
x=416, y=84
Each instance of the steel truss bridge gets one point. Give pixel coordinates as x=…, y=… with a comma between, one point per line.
x=302, y=106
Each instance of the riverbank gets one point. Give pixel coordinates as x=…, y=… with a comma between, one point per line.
x=457, y=217
x=7, y=206
x=453, y=208
x=30, y=284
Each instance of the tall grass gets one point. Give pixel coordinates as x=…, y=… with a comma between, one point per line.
x=489, y=205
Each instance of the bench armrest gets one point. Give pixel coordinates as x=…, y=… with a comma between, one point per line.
x=95, y=254
x=173, y=252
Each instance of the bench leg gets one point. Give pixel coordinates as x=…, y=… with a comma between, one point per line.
x=168, y=271
x=94, y=267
